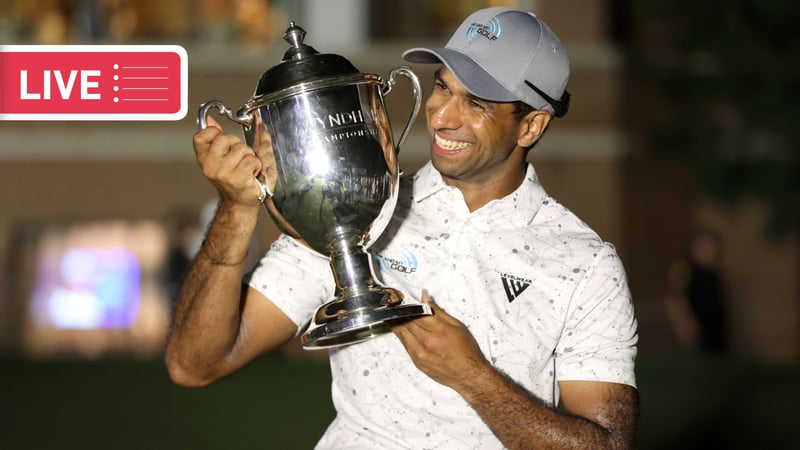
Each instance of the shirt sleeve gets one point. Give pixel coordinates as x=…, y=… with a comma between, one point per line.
x=599, y=339
x=296, y=279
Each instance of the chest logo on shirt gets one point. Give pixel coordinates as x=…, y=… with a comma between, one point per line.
x=407, y=264
x=514, y=285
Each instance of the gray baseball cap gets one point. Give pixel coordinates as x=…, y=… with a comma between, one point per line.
x=504, y=55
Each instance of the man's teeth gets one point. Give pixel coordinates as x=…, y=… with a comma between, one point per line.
x=450, y=145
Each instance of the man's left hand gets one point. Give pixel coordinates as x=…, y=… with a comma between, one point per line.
x=441, y=346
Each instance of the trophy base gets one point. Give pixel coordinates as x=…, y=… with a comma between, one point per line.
x=358, y=326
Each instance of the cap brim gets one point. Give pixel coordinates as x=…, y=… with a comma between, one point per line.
x=469, y=73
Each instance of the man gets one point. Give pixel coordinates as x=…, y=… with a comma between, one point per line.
x=695, y=297
x=530, y=306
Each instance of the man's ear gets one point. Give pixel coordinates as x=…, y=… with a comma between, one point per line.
x=532, y=126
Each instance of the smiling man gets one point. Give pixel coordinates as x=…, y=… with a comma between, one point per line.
x=531, y=309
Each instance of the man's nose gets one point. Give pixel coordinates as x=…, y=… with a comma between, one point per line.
x=447, y=114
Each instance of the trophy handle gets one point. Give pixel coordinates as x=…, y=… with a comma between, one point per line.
x=202, y=123
x=417, y=91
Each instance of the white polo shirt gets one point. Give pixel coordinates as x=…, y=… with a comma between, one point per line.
x=546, y=299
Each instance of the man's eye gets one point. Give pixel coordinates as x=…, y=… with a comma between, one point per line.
x=476, y=104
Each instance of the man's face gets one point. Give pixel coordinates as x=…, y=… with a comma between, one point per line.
x=473, y=140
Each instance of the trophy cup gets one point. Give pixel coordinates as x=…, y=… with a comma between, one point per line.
x=325, y=125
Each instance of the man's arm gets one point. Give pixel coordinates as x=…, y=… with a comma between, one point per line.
x=598, y=415
x=217, y=326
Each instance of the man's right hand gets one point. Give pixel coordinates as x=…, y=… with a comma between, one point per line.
x=229, y=164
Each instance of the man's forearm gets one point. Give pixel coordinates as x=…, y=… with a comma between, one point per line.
x=207, y=316
x=521, y=421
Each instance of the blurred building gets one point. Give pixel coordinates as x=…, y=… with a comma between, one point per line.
x=58, y=177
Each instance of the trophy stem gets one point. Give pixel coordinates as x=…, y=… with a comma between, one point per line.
x=351, y=266
x=361, y=307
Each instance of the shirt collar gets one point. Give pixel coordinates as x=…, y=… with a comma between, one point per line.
x=427, y=181
x=517, y=208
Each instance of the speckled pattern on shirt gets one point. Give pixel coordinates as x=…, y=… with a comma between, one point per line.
x=546, y=299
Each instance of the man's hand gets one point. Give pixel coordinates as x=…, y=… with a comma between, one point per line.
x=219, y=324
x=441, y=346
x=599, y=415
x=229, y=164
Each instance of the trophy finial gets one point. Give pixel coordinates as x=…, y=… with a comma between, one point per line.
x=295, y=35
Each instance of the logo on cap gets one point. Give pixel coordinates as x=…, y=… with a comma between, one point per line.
x=491, y=30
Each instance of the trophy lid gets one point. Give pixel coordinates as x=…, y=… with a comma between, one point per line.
x=301, y=63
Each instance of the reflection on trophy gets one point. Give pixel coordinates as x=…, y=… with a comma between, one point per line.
x=325, y=125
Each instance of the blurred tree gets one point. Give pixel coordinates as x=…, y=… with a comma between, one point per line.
x=730, y=72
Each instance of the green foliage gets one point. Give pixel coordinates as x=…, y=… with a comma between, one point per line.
x=732, y=70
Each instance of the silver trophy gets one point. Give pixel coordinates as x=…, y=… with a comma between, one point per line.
x=325, y=125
